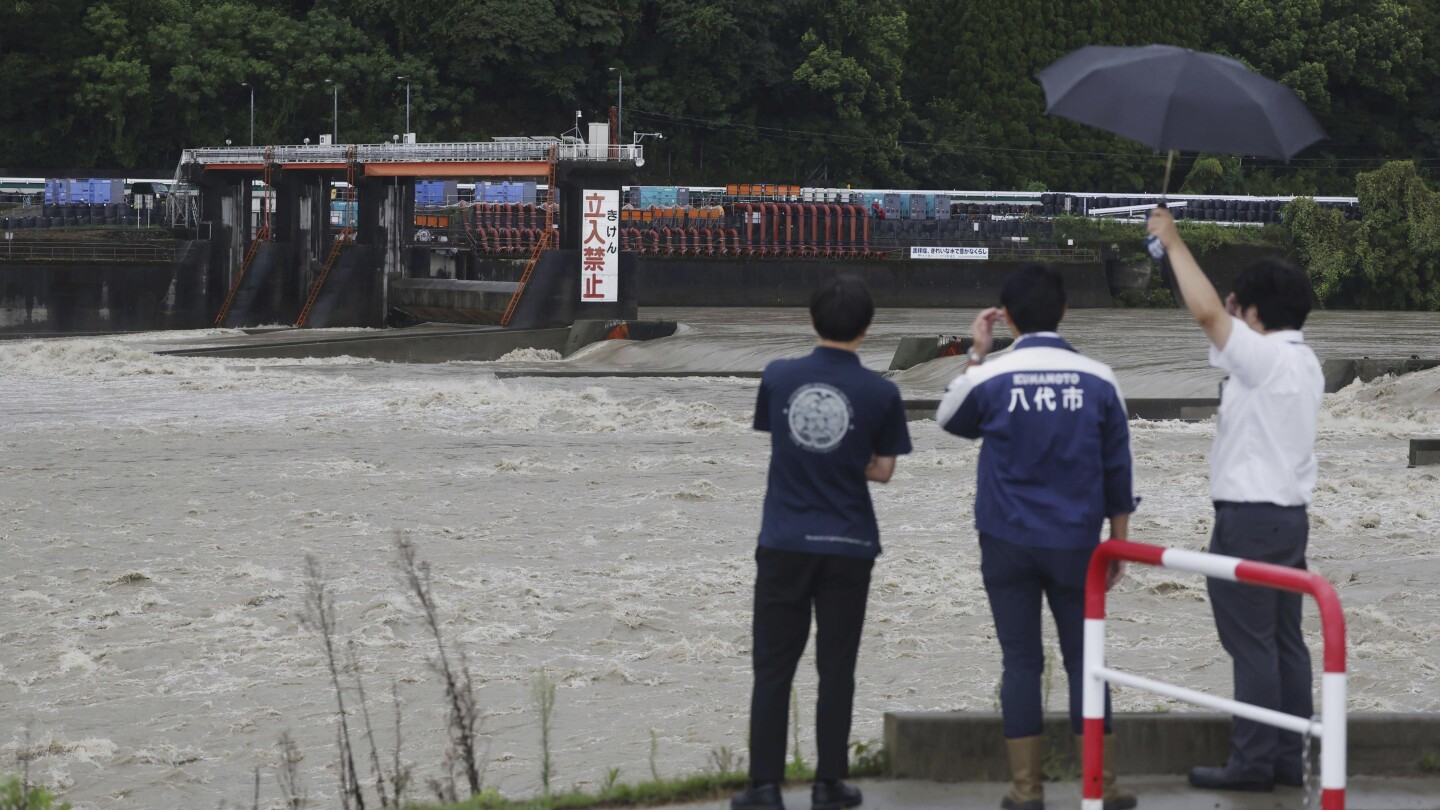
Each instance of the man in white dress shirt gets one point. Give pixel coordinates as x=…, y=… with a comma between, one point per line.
x=1262, y=478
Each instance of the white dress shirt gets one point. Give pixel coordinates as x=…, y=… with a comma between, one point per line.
x=1265, y=441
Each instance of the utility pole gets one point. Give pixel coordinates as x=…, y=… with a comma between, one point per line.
x=407, y=103
x=252, y=110
x=620, y=108
x=334, y=112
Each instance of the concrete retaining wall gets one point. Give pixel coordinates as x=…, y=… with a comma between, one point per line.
x=552, y=298
x=1424, y=451
x=354, y=293
x=1341, y=372
x=47, y=299
x=913, y=351
x=433, y=343
x=399, y=345
x=965, y=746
x=724, y=282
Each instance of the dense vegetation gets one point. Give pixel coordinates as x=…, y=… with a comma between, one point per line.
x=1389, y=259
x=931, y=93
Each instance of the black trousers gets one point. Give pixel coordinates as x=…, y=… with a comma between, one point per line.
x=1260, y=629
x=787, y=584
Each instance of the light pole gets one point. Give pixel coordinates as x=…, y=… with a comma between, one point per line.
x=407, y=102
x=334, y=112
x=620, y=107
x=252, y=110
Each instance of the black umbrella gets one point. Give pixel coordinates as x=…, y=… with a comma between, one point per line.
x=1176, y=99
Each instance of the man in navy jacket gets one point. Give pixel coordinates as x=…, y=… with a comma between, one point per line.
x=834, y=425
x=1055, y=464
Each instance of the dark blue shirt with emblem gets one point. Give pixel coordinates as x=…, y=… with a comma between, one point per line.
x=827, y=416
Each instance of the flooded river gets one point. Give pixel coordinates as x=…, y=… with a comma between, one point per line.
x=155, y=513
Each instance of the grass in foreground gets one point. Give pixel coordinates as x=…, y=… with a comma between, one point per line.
x=867, y=760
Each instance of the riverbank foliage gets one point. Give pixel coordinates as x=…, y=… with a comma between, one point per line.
x=890, y=93
x=15, y=794
x=1128, y=236
x=1389, y=258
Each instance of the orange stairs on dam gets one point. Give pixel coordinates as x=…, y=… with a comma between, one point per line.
x=261, y=235
x=545, y=237
x=343, y=239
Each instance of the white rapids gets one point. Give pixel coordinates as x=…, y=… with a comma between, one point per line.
x=155, y=513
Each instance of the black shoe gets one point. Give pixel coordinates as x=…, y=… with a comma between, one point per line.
x=834, y=796
x=758, y=797
x=1225, y=779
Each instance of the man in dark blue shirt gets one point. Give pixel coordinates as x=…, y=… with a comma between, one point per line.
x=834, y=426
x=1054, y=466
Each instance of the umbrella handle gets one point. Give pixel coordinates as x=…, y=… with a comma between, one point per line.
x=1157, y=250
x=1169, y=163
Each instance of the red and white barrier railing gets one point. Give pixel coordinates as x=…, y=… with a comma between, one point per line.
x=1329, y=726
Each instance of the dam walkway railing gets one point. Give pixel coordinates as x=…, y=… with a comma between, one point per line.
x=67, y=252
x=1329, y=725
x=465, y=152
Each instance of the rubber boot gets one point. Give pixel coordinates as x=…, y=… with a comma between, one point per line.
x=1115, y=798
x=1027, y=774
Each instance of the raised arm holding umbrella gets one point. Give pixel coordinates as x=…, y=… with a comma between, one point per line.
x=1262, y=469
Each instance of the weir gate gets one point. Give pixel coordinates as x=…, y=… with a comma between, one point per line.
x=277, y=255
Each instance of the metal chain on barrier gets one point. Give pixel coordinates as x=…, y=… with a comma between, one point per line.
x=1306, y=775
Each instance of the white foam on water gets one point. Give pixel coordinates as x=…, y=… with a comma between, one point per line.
x=72, y=660
x=157, y=511
x=530, y=356
x=49, y=750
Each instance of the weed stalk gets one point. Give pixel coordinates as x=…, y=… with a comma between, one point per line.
x=319, y=617
x=462, y=714
x=543, y=692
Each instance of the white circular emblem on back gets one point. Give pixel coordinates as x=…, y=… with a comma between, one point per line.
x=819, y=417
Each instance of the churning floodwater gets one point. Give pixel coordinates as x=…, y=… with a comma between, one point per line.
x=155, y=513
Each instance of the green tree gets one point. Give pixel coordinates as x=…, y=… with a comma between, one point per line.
x=39, y=42
x=201, y=53
x=1357, y=64
x=854, y=65
x=113, y=83
x=1397, y=246
x=982, y=57
x=734, y=68
x=1324, y=243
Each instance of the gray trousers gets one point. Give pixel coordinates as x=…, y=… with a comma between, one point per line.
x=1260, y=629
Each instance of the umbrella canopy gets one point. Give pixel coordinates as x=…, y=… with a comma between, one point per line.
x=1173, y=98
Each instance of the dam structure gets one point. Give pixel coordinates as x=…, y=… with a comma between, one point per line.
x=276, y=255
x=491, y=235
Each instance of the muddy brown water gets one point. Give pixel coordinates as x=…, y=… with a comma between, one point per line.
x=155, y=513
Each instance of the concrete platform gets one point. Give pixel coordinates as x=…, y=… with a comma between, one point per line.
x=424, y=343
x=1341, y=372
x=1424, y=451
x=912, y=351
x=428, y=343
x=1154, y=793
x=967, y=746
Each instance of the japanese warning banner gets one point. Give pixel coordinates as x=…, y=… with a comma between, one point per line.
x=600, y=246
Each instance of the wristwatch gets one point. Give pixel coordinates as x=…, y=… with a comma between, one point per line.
x=974, y=357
